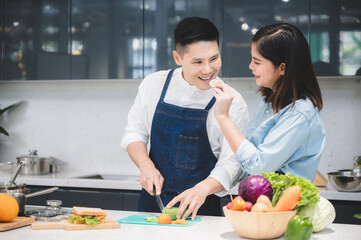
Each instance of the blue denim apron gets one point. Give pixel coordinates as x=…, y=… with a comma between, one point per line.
x=181, y=151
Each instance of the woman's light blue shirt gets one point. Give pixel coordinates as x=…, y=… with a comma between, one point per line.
x=291, y=140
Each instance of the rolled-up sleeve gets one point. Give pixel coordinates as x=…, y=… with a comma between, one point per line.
x=281, y=142
x=228, y=170
x=138, y=126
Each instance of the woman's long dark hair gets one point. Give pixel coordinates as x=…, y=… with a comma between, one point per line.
x=285, y=43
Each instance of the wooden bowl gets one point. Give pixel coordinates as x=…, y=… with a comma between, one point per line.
x=257, y=225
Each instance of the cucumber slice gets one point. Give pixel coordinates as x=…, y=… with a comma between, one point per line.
x=213, y=82
x=151, y=219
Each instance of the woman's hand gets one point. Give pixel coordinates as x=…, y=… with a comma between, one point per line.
x=223, y=94
x=149, y=177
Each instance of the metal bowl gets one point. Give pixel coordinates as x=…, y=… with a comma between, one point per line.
x=345, y=181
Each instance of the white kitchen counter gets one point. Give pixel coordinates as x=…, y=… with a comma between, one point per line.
x=209, y=228
x=69, y=179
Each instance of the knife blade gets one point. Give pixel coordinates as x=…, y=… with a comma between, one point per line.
x=159, y=201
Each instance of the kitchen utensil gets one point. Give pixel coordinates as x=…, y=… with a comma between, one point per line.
x=66, y=225
x=7, y=166
x=53, y=212
x=11, y=186
x=21, y=197
x=320, y=180
x=258, y=225
x=140, y=219
x=16, y=223
x=33, y=164
x=56, y=165
x=345, y=181
x=159, y=200
x=15, y=174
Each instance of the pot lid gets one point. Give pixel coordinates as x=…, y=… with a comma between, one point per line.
x=32, y=154
x=11, y=185
x=53, y=212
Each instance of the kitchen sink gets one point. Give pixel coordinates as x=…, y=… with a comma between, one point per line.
x=110, y=177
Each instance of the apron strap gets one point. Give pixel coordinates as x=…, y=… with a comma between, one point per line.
x=165, y=87
x=210, y=104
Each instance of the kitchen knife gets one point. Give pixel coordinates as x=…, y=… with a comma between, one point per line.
x=159, y=200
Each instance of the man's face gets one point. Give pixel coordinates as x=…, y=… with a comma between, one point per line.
x=201, y=63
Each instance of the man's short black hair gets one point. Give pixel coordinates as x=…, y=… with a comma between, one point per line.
x=194, y=29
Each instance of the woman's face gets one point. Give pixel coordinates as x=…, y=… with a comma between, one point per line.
x=265, y=72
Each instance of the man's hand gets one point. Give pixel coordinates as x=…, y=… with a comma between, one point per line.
x=149, y=177
x=192, y=198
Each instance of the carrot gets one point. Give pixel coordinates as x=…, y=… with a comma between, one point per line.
x=288, y=200
x=181, y=221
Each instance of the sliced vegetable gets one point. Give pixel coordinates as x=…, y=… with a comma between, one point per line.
x=251, y=187
x=151, y=219
x=213, y=82
x=289, y=199
x=173, y=212
x=181, y=221
x=298, y=228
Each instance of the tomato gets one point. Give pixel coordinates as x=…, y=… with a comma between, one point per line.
x=238, y=197
x=249, y=206
x=238, y=204
x=164, y=219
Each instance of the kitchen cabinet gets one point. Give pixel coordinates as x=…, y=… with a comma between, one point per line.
x=345, y=211
x=132, y=38
x=86, y=197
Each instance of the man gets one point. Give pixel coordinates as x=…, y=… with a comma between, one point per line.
x=189, y=158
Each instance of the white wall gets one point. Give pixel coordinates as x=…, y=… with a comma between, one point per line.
x=82, y=121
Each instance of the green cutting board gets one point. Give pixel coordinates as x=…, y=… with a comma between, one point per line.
x=140, y=219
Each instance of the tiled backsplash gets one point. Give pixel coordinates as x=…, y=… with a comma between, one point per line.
x=82, y=121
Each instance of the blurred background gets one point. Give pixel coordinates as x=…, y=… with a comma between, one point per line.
x=115, y=39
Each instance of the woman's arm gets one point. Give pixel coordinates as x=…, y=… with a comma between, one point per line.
x=224, y=98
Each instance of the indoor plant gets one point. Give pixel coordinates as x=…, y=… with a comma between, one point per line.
x=2, y=112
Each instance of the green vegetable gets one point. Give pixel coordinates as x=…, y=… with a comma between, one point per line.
x=309, y=196
x=322, y=215
x=151, y=219
x=357, y=216
x=172, y=212
x=90, y=220
x=298, y=228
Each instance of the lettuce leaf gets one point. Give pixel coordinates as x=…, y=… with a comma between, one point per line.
x=309, y=196
x=90, y=220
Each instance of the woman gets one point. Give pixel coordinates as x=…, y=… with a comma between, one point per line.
x=287, y=133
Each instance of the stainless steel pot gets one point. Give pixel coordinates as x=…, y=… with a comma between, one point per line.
x=21, y=195
x=33, y=164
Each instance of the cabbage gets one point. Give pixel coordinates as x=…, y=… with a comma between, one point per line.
x=321, y=215
x=251, y=187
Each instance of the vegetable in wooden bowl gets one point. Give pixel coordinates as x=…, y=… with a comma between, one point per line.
x=258, y=225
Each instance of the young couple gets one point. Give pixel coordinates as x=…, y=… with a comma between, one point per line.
x=201, y=141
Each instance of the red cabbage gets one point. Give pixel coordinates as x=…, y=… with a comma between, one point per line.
x=251, y=187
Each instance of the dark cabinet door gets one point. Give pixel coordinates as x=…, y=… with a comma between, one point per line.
x=86, y=197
